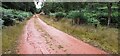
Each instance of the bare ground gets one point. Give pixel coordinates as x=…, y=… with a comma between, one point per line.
x=40, y=38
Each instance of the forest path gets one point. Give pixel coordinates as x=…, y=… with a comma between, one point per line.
x=40, y=38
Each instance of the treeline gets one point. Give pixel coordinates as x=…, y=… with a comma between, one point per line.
x=16, y=12
x=84, y=13
x=24, y=6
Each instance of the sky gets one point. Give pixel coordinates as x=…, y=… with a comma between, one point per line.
x=38, y=6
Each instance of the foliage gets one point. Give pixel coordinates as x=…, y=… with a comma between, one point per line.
x=91, y=12
x=53, y=7
x=10, y=16
x=102, y=37
x=60, y=14
x=24, y=6
x=91, y=17
x=52, y=14
x=74, y=14
x=88, y=17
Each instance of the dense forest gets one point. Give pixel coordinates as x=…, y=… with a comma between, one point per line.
x=79, y=12
x=24, y=6
x=88, y=13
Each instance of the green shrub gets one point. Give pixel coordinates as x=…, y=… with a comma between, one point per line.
x=93, y=21
x=9, y=22
x=59, y=15
x=91, y=17
x=74, y=14
x=10, y=15
x=77, y=17
x=52, y=14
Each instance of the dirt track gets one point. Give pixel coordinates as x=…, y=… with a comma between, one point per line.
x=40, y=38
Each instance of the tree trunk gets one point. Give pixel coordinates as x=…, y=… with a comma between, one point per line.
x=109, y=13
x=78, y=21
x=73, y=21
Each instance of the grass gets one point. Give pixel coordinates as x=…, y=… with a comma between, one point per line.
x=102, y=37
x=0, y=40
x=10, y=36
